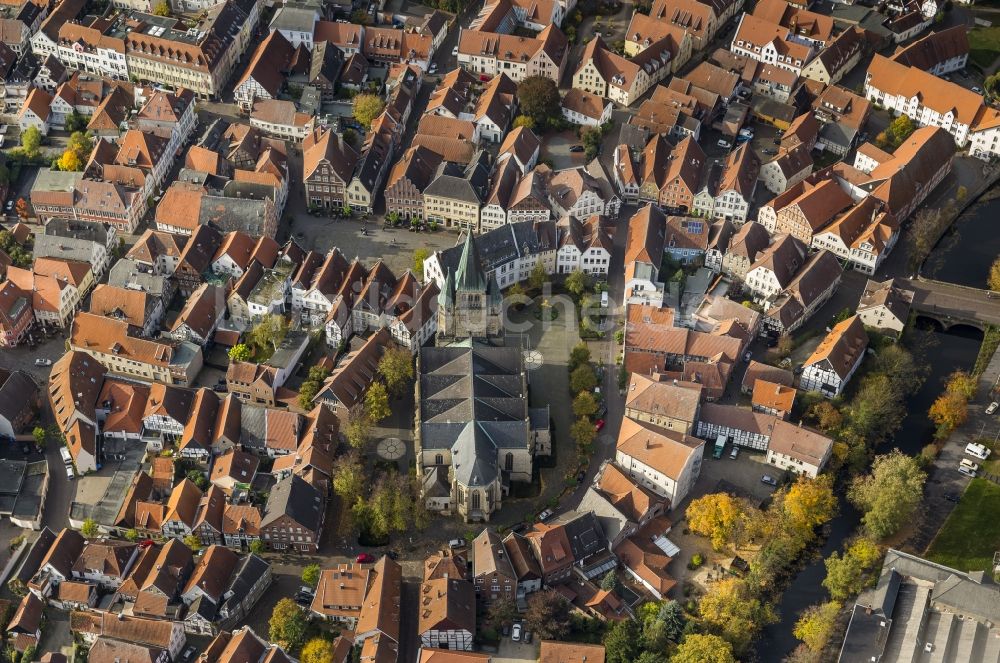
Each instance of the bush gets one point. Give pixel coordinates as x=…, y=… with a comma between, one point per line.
x=697, y=560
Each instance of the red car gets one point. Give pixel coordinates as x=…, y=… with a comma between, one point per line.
x=598, y=425
x=365, y=558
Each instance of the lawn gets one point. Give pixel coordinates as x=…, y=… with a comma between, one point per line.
x=971, y=534
x=984, y=46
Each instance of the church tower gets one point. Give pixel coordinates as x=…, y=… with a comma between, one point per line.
x=469, y=305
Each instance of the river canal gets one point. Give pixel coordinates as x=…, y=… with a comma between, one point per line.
x=944, y=354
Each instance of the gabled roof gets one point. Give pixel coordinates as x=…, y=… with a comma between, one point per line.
x=842, y=347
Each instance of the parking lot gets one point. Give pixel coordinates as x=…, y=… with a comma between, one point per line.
x=744, y=473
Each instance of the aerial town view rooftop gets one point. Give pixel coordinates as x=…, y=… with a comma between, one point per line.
x=452, y=331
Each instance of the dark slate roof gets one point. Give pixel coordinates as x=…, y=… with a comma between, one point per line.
x=470, y=185
x=585, y=535
x=253, y=427
x=33, y=560
x=504, y=244
x=15, y=393
x=228, y=214
x=296, y=498
x=474, y=402
x=251, y=568
x=90, y=231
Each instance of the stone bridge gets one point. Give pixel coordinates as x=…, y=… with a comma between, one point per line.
x=951, y=304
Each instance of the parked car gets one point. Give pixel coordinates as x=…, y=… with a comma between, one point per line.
x=723, y=143
x=188, y=653
x=518, y=528
x=43, y=362
x=952, y=497
x=506, y=630
x=769, y=480
x=598, y=425
x=992, y=408
x=581, y=475
x=515, y=633
x=365, y=558
x=456, y=543
x=977, y=89
x=527, y=637
x=434, y=67
x=454, y=52
x=545, y=515
x=734, y=452
x=576, y=148
x=769, y=152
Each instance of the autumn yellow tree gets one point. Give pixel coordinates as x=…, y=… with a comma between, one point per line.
x=698, y=648
x=366, y=108
x=317, y=650
x=993, y=280
x=826, y=416
x=77, y=151
x=809, y=503
x=816, y=625
x=732, y=611
x=716, y=516
x=961, y=383
x=948, y=412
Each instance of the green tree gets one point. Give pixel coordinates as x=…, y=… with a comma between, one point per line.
x=672, y=617
x=311, y=386
x=31, y=141
x=317, y=650
x=583, y=433
x=889, y=494
x=288, y=624
x=377, y=402
x=310, y=575
x=582, y=378
x=698, y=648
x=579, y=355
x=537, y=278
x=162, y=8
x=359, y=427
x=847, y=575
x=89, y=529
x=584, y=405
x=538, y=98
x=578, y=282
x=548, y=615
x=75, y=122
x=39, y=434
x=816, y=625
x=239, y=352
x=396, y=368
x=257, y=547
x=348, y=477
x=367, y=107
x=269, y=331
x=503, y=611
x=192, y=542
x=609, y=581
x=419, y=256
x=132, y=535
x=196, y=477
x=622, y=643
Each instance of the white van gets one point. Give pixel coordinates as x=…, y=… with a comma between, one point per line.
x=977, y=450
x=604, y=299
x=67, y=459
x=69, y=472
x=968, y=468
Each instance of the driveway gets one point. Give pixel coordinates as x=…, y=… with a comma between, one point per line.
x=515, y=652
